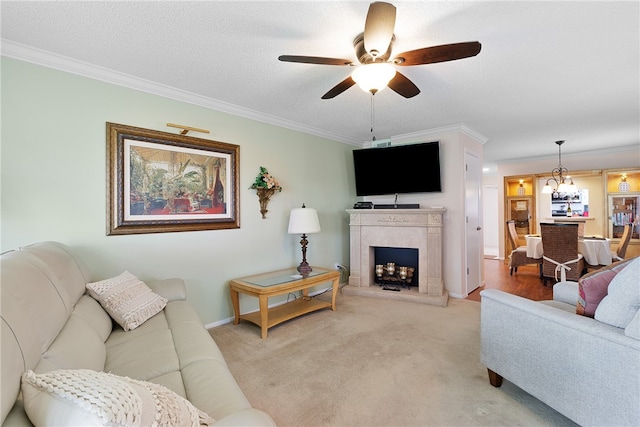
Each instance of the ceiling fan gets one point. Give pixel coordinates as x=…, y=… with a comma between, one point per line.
x=373, y=50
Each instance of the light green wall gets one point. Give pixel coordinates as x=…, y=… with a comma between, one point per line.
x=54, y=185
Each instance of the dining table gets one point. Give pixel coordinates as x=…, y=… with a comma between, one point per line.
x=595, y=250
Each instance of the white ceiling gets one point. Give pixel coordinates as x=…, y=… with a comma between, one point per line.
x=548, y=70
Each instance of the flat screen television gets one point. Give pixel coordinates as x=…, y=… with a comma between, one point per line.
x=411, y=168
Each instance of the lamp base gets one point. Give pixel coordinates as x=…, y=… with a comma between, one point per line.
x=304, y=269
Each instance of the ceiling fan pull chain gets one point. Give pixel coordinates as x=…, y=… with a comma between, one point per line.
x=373, y=137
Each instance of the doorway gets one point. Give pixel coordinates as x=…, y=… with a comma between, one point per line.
x=490, y=221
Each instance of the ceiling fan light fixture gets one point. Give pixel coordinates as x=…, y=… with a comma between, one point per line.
x=373, y=77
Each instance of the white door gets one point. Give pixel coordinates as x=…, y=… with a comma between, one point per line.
x=473, y=220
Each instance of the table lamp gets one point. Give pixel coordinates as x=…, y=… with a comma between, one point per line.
x=304, y=221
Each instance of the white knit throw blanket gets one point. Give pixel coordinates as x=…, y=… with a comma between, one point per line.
x=116, y=400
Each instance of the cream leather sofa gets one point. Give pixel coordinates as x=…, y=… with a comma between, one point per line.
x=50, y=323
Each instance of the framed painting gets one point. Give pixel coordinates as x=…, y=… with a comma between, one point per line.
x=160, y=182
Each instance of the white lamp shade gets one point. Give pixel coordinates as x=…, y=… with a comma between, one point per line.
x=547, y=189
x=373, y=77
x=563, y=187
x=304, y=221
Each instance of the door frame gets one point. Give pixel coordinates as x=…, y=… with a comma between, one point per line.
x=474, y=243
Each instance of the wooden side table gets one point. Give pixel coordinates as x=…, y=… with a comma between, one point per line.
x=281, y=282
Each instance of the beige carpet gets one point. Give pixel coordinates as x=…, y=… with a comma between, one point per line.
x=376, y=362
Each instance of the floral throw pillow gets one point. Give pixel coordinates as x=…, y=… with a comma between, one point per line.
x=86, y=397
x=127, y=299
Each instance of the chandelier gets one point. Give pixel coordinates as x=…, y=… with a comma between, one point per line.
x=560, y=177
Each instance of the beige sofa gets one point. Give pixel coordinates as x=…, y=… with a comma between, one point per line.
x=49, y=323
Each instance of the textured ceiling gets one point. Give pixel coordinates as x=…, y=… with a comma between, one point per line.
x=547, y=70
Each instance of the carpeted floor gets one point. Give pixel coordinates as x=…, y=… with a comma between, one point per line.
x=376, y=362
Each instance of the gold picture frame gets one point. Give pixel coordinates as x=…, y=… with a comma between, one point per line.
x=160, y=182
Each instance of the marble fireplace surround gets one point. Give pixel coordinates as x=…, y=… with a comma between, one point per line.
x=397, y=228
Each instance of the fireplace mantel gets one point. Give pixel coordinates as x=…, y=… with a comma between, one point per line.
x=402, y=228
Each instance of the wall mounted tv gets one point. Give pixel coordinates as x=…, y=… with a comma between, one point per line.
x=411, y=168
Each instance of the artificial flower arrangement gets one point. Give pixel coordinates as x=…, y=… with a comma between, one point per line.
x=266, y=180
x=266, y=185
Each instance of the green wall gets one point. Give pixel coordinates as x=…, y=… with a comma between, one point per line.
x=54, y=185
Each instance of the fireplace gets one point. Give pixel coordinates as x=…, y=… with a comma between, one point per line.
x=418, y=230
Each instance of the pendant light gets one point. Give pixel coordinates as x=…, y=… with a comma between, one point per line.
x=560, y=177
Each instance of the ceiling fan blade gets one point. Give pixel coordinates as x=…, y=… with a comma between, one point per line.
x=442, y=53
x=378, y=28
x=339, y=88
x=315, y=60
x=403, y=86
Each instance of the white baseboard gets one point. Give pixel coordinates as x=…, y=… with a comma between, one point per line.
x=458, y=296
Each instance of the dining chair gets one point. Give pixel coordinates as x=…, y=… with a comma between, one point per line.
x=621, y=250
x=561, y=257
x=518, y=255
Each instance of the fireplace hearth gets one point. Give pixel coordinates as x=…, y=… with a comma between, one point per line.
x=416, y=231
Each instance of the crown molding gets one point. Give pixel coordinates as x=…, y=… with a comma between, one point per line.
x=436, y=132
x=47, y=59
x=633, y=148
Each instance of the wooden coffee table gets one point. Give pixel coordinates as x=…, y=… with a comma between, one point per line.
x=282, y=282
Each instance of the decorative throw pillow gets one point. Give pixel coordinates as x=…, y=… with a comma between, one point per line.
x=128, y=300
x=86, y=397
x=623, y=300
x=593, y=287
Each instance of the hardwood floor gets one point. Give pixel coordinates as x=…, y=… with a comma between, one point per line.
x=525, y=282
